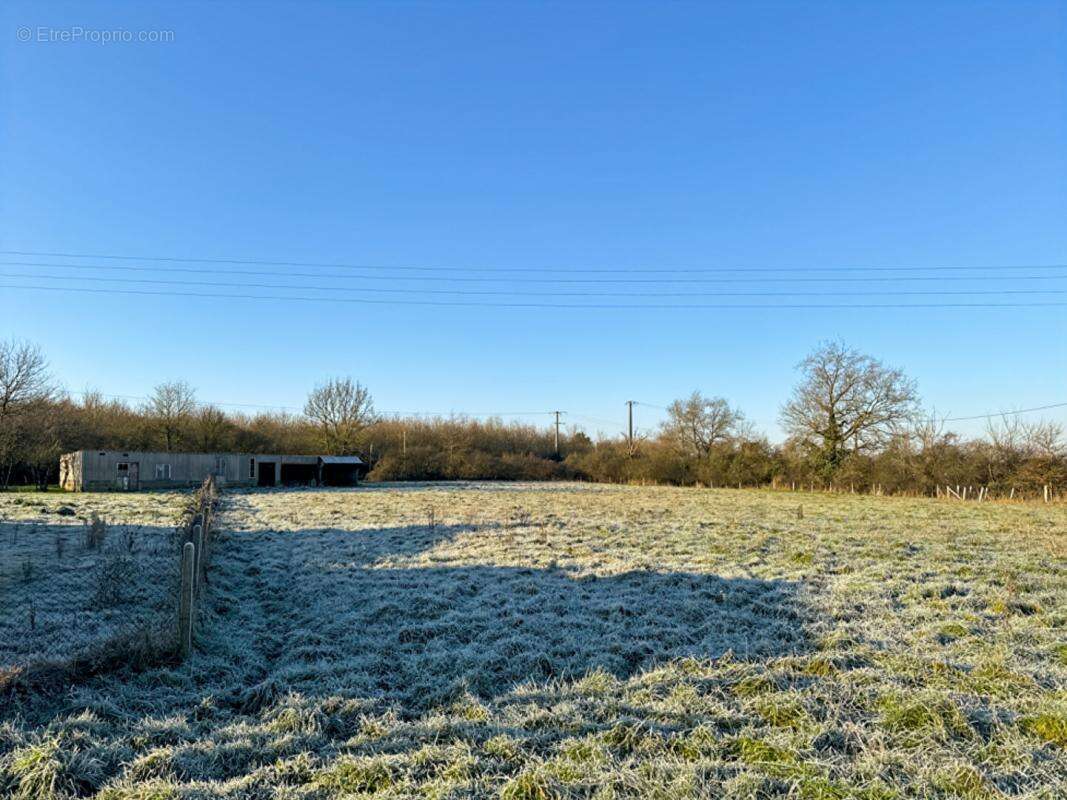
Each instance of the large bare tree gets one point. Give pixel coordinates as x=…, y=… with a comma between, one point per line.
x=25, y=386
x=169, y=410
x=341, y=408
x=847, y=402
x=697, y=423
x=24, y=377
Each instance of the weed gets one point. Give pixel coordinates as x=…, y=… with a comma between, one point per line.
x=95, y=532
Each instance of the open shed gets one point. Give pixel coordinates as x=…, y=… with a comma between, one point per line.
x=340, y=470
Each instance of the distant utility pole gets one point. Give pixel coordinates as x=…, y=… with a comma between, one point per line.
x=630, y=427
x=557, y=413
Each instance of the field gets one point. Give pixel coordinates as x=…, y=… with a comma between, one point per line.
x=558, y=640
x=70, y=590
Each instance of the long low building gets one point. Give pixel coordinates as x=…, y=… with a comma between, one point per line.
x=110, y=470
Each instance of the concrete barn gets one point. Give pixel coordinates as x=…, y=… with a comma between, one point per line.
x=109, y=470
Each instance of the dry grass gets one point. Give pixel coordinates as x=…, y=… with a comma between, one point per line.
x=535, y=641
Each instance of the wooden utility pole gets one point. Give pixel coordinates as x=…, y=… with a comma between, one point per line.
x=557, y=413
x=630, y=427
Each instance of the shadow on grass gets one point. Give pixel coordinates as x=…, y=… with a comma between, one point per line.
x=332, y=613
x=341, y=618
x=305, y=632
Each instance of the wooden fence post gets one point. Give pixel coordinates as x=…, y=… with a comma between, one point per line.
x=185, y=600
x=198, y=540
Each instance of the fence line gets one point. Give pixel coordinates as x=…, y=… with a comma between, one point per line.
x=79, y=601
x=196, y=544
x=981, y=493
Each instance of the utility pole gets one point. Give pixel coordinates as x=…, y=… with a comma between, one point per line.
x=404, y=441
x=557, y=413
x=630, y=430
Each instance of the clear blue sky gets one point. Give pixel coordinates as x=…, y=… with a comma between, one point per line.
x=537, y=135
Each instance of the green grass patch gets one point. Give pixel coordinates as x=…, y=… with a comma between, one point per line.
x=819, y=667
x=952, y=632
x=502, y=747
x=145, y=791
x=768, y=758
x=1060, y=654
x=1012, y=606
x=963, y=782
x=1049, y=726
x=782, y=711
x=994, y=679
x=584, y=751
x=922, y=717
x=529, y=785
x=700, y=743
x=753, y=686
x=351, y=775
x=38, y=771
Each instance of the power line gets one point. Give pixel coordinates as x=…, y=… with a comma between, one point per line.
x=498, y=293
x=442, y=414
x=596, y=420
x=569, y=270
x=468, y=304
x=1005, y=413
x=550, y=281
x=943, y=419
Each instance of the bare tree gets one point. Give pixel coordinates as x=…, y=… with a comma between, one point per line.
x=847, y=402
x=24, y=377
x=169, y=410
x=697, y=423
x=1044, y=439
x=341, y=408
x=25, y=385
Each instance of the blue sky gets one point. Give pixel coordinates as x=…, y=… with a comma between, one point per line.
x=538, y=136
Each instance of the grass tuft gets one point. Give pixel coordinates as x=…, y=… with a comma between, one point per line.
x=921, y=717
x=529, y=785
x=1048, y=726
x=350, y=775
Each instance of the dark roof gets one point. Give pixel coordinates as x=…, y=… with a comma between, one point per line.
x=340, y=459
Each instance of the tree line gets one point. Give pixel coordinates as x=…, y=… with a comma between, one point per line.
x=852, y=422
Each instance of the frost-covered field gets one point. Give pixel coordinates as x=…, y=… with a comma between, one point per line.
x=536, y=641
x=67, y=589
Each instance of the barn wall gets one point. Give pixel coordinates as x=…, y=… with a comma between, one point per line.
x=99, y=469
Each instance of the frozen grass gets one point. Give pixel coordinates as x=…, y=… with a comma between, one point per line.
x=533, y=641
x=71, y=586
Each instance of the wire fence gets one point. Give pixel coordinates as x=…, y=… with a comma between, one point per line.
x=78, y=597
